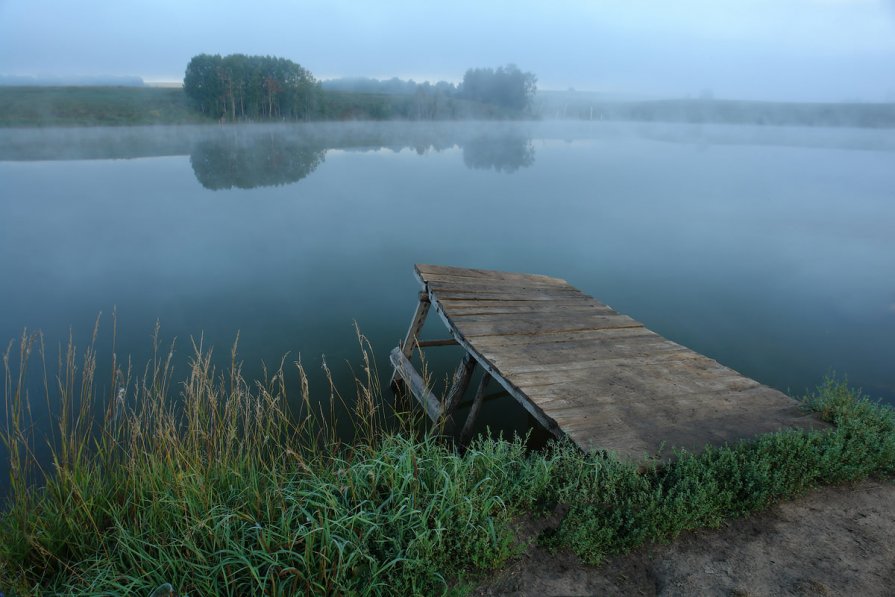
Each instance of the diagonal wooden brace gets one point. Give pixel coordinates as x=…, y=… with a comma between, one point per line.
x=474, y=409
x=462, y=376
x=411, y=340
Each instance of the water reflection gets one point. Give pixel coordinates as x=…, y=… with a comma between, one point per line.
x=505, y=153
x=248, y=161
x=741, y=242
x=250, y=156
x=245, y=158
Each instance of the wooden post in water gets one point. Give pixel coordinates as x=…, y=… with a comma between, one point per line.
x=462, y=377
x=411, y=340
x=474, y=409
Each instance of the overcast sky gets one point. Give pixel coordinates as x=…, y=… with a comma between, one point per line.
x=758, y=49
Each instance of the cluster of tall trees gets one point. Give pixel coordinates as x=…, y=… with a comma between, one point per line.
x=240, y=87
x=505, y=86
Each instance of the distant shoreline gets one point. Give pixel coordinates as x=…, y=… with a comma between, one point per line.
x=44, y=106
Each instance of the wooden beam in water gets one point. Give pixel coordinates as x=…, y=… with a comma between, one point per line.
x=462, y=377
x=415, y=384
x=474, y=410
x=411, y=340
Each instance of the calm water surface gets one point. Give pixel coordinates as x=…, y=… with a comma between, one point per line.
x=771, y=250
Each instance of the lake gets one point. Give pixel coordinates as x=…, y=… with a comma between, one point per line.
x=769, y=249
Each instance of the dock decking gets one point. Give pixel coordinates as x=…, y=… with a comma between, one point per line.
x=583, y=370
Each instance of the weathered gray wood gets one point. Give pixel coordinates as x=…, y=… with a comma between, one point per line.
x=415, y=384
x=517, y=302
x=528, y=405
x=531, y=327
x=468, y=426
x=462, y=376
x=475, y=288
x=416, y=326
x=436, y=271
x=501, y=296
x=554, y=340
x=583, y=370
x=526, y=309
x=545, y=321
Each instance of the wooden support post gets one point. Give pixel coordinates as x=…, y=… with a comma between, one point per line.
x=416, y=326
x=462, y=377
x=415, y=384
x=474, y=409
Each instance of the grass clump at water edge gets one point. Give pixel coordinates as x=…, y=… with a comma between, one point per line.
x=215, y=486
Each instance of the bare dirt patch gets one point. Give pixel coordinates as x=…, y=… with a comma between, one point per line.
x=832, y=541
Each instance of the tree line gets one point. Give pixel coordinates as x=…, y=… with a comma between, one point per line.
x=239, y=87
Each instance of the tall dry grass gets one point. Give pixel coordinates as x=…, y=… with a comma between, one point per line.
x=211, y=484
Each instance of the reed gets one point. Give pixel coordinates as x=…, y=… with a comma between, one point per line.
x=214, y=484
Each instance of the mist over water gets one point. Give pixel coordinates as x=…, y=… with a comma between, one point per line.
x=769, y=249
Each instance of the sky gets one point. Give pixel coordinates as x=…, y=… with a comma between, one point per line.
x=799, y=50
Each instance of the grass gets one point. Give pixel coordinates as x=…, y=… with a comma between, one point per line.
x=95, y=106
x=215, y=485
x=132, y=106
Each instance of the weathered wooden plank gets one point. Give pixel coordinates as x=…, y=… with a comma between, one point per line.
x=527, y=311
x=552, y=340
x=519, y=369
x=541, y=319
x=425, y=270
x=624, y=381
x=560, y=291
x=535, y=327
x=406, y=371
x=518, y=303
x=508, y=284
x=526, y=295
x=505, y=296
x=565, y=406
x=416, y=326
x=570, y=355
x=540, y=326
x=633, y=442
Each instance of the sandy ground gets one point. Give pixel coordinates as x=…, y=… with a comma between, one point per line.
x=833, y=541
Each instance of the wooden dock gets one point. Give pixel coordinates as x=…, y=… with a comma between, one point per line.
x=583, y=370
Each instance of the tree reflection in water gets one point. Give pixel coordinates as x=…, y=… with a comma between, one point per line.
x=245, y=158
x=503, y=153
x=245, y=161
